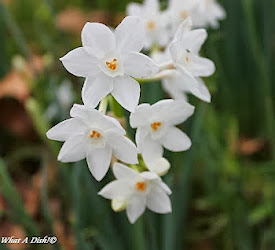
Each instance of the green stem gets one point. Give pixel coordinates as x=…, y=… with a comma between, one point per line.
x=116, y=108
x=14, y=29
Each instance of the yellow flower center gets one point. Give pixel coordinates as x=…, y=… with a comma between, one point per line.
x=112, y=64
x=183, y=14
x=151, y=25
x=141, y=186
x=155, y=125
x=94, y=134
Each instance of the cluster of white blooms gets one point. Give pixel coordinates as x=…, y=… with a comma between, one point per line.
x=160, y=25
x=111, y=63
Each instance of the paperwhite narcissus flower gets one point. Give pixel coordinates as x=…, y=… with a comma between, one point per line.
x=108, y=60
x=155, y=22
x=175, y=82
x=136, y=191
x=184, y=52
x=156, y=128
x=90, y=134
x=209, y=12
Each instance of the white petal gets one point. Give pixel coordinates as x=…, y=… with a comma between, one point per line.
x=158, y=201
x=153, y=6
x=179, y=84
x=117, y=189
x=98, y=38
x=127, y=92
x=73, y=149
x=79, y=63
x=193, y=40
x=185, y=26
x=134, y=9
x=93, y=117
x=174, y=86
x=141, y=133
x=85, y=114
x=99, y=161
x=173, y=111
x=139, y=65
x=201, y=91
x=95, y=89
x=174, y=49
x=141, y=115
x=136, y=207
x=187, y=76
x=149, y=175
x=123, y=148
x=164, y=187
x=200, y=67
x=175, y=140
x=63, y=130
x=123, y=172
x=160, y=166
x=151, y=150
x=130, y=34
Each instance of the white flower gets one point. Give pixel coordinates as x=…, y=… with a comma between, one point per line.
x=209, y=12
x=177, y=82
x=108, y=60
x=189, y=66
x=156, y=128
x=184, y=52
x=180, y=10
x=137, y=191
x=90, y=134
x=155, y=22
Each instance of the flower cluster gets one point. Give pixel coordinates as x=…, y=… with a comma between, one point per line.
x=112, y=64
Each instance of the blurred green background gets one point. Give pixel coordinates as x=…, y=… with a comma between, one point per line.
x=223, y=187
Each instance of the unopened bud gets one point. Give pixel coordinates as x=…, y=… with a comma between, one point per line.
x=119, y=205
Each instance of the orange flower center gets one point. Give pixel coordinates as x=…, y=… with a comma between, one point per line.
x=183, y=14
x=155, y=125
x=151, y=25
x=94, y=134
x=112, y=64
x=140, y=186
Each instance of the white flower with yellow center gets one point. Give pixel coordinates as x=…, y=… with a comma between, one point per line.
x=136, y=191
x=108, y=60
x=155, y=22
x=156, y=129
x=90, y=134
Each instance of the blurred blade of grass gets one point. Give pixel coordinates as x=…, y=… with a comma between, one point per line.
x=45, y=202
x=174, y=224
x=14, y=29
x=93, y=222
x=19, y=214
x=40, y=123
x=263, y=68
